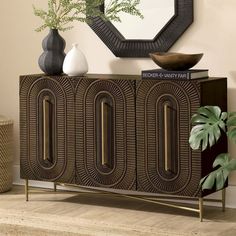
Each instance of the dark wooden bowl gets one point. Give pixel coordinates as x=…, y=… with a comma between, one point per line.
x=175, y=61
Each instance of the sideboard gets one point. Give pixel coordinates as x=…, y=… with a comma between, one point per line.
x=116, y=131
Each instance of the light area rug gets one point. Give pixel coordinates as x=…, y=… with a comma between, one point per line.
x=24, y=224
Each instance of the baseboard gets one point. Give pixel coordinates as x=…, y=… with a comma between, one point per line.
x=230, y=195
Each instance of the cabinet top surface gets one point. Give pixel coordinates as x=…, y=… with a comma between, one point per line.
x=116, y=76
x=88, y=76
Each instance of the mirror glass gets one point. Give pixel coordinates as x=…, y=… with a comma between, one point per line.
x=156, y=15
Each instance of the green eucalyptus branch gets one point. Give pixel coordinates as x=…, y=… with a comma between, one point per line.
x=127, y=6
x=209, y=123
x=63, y=12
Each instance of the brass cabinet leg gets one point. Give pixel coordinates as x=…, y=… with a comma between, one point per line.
x=55, y=186
x=27, y=190
x=201, y=208
x=223, y=199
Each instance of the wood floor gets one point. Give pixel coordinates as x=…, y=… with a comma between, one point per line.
x=72, y=213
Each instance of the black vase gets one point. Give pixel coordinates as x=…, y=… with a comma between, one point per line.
x=51, y=60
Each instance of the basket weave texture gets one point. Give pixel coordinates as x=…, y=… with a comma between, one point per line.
x=6, y=128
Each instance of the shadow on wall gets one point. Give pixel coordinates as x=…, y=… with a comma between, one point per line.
x=231, y=96
x=233, y=75
x=232, y=92
x=127, y=65
x=232, y=108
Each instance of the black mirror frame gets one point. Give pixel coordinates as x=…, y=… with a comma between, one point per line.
x=162, y=42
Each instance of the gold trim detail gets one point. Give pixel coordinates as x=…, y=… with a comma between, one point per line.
x=167, y=138
x=223, y=199
x=201, y=209
x=104, y=128
x=27, y=190
x=55, y=186
x=159, y=200
x=46, y=129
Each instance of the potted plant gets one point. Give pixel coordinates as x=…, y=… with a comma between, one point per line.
x=209, y=123
x=61, y=13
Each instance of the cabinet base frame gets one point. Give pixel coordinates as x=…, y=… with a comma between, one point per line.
x=159, y=200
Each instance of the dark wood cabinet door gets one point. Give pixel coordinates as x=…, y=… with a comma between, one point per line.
x=105, y=133
x=47, y=140
x=165, y=162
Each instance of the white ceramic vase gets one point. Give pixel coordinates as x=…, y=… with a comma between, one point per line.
x=75, y=62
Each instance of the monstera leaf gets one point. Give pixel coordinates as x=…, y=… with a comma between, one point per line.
x=231, y=124
x=220, y=175
x=208, y=123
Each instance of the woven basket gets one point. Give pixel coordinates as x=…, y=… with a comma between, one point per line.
x=6, y=127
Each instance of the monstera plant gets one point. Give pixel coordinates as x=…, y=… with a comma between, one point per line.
x=209, y=123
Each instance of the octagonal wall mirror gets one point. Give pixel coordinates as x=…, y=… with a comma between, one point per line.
x=164, y=22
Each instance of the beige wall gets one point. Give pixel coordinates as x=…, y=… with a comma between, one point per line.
x=212, y=33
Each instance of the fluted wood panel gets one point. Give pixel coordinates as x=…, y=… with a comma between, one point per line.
x=60, y=92
x=90, y=171
x=152, y=176
x=187, y=167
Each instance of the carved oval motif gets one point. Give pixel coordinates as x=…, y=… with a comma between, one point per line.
x=150, y=161
x=60, y=93
x=120, y=94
